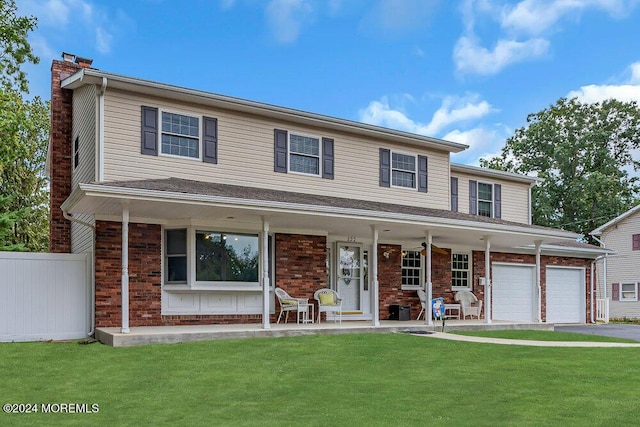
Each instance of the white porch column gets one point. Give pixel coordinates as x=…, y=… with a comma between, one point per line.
x=125, y=269
x=487, y=280
x=375, y=297
x=266, y=305
x=428, y=285
x=538, y=274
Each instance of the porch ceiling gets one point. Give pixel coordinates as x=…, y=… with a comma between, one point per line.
x=174, y=201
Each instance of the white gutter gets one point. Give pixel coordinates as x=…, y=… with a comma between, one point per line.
x=92, y=309
x=103, y=89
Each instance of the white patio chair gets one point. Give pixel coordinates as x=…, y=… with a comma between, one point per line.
x=288, y=303
x=328, y=302
x=469, y=304
x=423, y=302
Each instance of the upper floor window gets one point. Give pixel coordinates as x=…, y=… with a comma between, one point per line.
x=304, y=154
x=411, y=268
x=460, y=271
x=403, y=170
x=299, y=153
x=635, y=242
x=174, y=134
x=485, y=199
x=180, y=135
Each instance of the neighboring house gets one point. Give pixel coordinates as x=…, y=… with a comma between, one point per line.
x=219, y=199
x=622, y=282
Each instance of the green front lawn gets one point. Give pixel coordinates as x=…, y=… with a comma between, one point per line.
x=324, y=380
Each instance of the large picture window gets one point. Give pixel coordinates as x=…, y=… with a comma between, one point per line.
x=224, y=257
x=304, y=154
x=180, y=135
x=403, y=170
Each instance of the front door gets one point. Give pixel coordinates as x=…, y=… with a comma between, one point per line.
x=352, y=278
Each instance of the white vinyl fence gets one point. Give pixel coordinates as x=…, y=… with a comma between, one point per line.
x=44, y=296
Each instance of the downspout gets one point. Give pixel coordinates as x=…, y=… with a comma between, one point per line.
x=92, y=317
x=100, y=154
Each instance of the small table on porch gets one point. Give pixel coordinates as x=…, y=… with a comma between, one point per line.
x=452, y=311
x=303, y=313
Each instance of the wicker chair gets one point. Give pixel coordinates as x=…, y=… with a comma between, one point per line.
x=469, y=304
x=288, y=303
x=328, y=302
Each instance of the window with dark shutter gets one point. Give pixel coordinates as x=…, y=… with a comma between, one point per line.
x=615, y=291
x=473, y=197
x=497, y=201
x=635, y=242
x=149, y=137
x=209, y=140
x=422, y=174
x=327, y=158
x=280, y=150
x=454, y=194
x=385, y=167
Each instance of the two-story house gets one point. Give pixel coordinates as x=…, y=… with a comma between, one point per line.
x=194, y=206
x=618, y=278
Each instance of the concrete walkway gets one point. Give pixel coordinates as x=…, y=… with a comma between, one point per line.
x=487, y=340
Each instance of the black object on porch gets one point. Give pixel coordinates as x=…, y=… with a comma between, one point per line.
x=399, y=312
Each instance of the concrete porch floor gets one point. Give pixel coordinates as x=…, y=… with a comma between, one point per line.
x=142, y=335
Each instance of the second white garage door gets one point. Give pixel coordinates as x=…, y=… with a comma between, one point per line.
x=513, y=295
x=565, y=295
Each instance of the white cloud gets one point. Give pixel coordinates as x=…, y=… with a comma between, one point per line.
x=536, y=17
x=398, y=17
x=103, y=40
x=482, y=142
x=452, y=110
x=286, y=17
x=470, y=57
x=226, y=4
x=56, y=11
x=626, y=91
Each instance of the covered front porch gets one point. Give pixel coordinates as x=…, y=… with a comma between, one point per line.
x=142, y=335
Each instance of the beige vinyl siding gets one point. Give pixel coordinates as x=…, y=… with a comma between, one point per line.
x=515, y=196
x=621, y=268
x=84, y=127
x=246, y=156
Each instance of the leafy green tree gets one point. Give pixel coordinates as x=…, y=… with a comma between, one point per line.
x=15, y=50
x=24, y=127
x=582, y=152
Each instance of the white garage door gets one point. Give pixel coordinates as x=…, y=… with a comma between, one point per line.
x=513, y=296
x=565, y=295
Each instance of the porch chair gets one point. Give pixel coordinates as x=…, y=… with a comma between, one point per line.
x=423, y=302
x=288, y=303
x=328, y=302
x=469, y=304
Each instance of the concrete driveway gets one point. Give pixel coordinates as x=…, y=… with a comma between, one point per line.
x=628, y=331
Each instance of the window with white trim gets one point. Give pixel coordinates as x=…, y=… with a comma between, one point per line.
x=304, y=154
x=460, y=271
x=628, y=292
x=411, y=268
x=197, y=257
x=485, y=199
x=403, y=170
x=180, y=135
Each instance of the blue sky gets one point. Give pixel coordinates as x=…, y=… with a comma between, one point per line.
x=465, y=71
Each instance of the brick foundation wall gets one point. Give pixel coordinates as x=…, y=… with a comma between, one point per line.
x=301, y=265
x=145, y=258
x=545, y=260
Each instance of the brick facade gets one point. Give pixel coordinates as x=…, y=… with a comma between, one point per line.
x=60, y=151
x=301, y=265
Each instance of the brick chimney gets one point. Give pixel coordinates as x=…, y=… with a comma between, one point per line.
x=60, y=150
